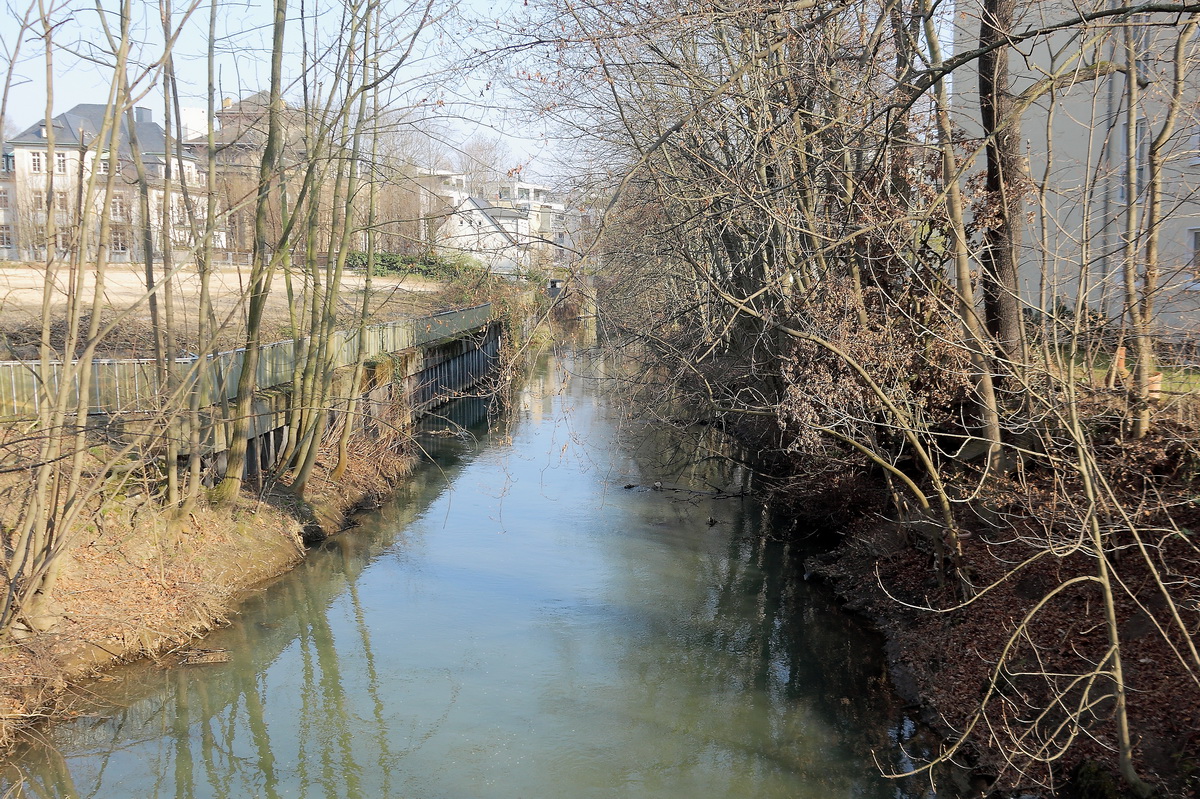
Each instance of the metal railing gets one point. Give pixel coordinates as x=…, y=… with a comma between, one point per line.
x=129, y=385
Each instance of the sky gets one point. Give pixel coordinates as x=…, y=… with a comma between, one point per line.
x=465, y=104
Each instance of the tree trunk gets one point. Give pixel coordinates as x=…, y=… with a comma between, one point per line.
x=1005, y=183
x=261, y=272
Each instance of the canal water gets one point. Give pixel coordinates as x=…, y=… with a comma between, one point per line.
x=530, y=617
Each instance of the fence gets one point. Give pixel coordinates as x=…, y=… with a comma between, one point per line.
x=129, y=385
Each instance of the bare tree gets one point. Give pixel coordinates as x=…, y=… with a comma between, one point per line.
x=802, y=252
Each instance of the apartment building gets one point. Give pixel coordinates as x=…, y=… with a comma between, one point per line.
x=511, y=227
x=53, y=200
x=554, y=227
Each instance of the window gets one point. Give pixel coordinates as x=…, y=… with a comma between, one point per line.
x=39, y=200
x=1143, y=42
x=3, y=199
x=1141, y=157
x=9, y=160
x=120, y=240
x=36, y=162
x=6, y=239
x=119, y=206
x=103, y=166
x=60, y=163
x=62, y=241
x=62, y=201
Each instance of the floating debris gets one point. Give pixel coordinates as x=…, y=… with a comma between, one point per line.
x=203, y=657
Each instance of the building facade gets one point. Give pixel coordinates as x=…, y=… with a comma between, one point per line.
x=1086, y=191
x=54, y=200
x=514, y=227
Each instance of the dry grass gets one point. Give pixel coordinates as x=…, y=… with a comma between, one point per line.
x=137, y=582
x=124, y=289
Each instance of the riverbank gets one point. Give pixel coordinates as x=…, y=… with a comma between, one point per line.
x=139, y=584
x=142, y=580
x=943, y=655
x=517, y=623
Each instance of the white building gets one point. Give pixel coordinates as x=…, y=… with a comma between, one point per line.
x=517, y=227
x=62, y=196
x=498, y=236
x=553, y=226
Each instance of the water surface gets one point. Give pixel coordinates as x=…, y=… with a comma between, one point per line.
x=516, y=623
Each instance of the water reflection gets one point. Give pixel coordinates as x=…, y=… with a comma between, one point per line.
x=516, y=624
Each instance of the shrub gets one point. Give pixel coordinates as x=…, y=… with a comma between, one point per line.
x=429, y=265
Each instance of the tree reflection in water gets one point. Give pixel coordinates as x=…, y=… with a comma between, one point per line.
x=539, y=632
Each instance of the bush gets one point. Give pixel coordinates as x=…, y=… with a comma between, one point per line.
x=434, y=267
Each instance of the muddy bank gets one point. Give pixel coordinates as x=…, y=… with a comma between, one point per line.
x=139, y=583
x=944, y=654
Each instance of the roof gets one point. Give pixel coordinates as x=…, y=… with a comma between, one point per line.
x=502, y=211
x=493, y=213
x=243, y=124
x=85, y=120
x=255, y=104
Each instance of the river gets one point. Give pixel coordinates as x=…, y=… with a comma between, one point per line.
x=529, y=617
